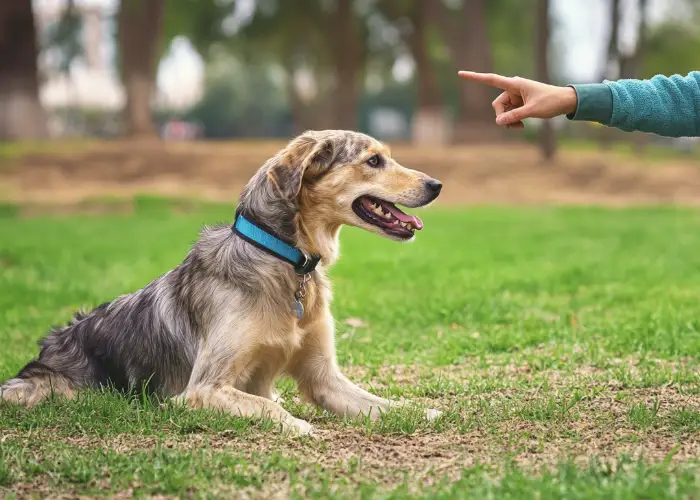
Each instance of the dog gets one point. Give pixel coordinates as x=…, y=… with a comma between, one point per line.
x=217, y=330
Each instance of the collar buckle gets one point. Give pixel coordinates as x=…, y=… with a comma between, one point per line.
x=307, y=266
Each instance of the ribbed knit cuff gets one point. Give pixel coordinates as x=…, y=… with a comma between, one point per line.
x=595, y=103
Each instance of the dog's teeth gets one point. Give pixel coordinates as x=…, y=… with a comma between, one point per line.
x=388, y=215
x=403, y=224
x=378, y=211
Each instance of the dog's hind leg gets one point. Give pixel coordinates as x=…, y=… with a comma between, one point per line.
x=320, y=380
x=34, y=384
x=230, y=399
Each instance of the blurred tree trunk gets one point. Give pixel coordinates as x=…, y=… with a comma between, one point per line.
x=429, y=126
x=642, y=38
x=347, y=50
x=611, y=70
x=613, y=66
x=21, y=114
x=140, y=25
x=633, y=65
x=547, y=137
x=469, y=45
x=308, y=113
x=296, y=104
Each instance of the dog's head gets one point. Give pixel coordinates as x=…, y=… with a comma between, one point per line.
x=338, y=177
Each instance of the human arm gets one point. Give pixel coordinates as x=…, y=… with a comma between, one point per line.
x=668, y=106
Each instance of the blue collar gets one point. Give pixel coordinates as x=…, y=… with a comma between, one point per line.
x=257, y=235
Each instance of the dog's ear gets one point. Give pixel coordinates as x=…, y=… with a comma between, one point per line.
x=301, y=155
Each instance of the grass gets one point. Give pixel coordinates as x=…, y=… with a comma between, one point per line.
x=14, y=150
x=560, y=343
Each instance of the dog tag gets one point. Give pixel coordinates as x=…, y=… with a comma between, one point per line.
x=298, y=309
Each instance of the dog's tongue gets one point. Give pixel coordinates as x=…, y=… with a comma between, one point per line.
x=415, y=221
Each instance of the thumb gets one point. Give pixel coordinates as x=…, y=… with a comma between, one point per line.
x=514, y=116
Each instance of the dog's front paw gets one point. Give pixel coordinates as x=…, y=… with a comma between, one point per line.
x=431, y=414
x=299, y=427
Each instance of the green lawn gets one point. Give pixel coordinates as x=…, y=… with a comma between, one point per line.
x=560, y=343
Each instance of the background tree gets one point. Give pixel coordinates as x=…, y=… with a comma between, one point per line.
x=415, y=20
x=345, y=35
x=611, y=68
x=140, y=25
x=631, y=64
x=613, y=63
x=671, y=48
x=241, y=100
x=547, y=137
x=465, y=29
x=287, y=36
x=21, y=114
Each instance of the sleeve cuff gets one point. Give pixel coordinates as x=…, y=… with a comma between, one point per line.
x=594, y=103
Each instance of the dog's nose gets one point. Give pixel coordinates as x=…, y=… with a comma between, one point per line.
x=434, y=186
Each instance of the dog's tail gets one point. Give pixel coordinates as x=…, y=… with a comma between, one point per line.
x=56, y=372
x=35, y=382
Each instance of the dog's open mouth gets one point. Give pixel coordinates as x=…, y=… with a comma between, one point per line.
x=387, y=217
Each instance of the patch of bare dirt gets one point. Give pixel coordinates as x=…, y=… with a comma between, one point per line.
x=500, y=174
x=522, y=372
x=601, y=427
x=598, y=426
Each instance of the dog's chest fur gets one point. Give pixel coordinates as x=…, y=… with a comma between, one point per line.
x=263, y=331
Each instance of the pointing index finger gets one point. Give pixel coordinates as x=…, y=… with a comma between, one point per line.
x=492, y=79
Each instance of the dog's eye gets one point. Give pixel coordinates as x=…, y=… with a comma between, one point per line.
x=375, y=161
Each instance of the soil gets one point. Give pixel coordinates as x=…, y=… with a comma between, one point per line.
x=492, y=174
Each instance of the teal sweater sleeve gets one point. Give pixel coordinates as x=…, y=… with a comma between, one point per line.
x=668, y=106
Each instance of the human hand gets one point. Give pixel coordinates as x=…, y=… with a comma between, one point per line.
x=522, y=98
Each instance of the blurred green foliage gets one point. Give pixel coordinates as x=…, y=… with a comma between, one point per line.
x=673, y=48
x=258, y=51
